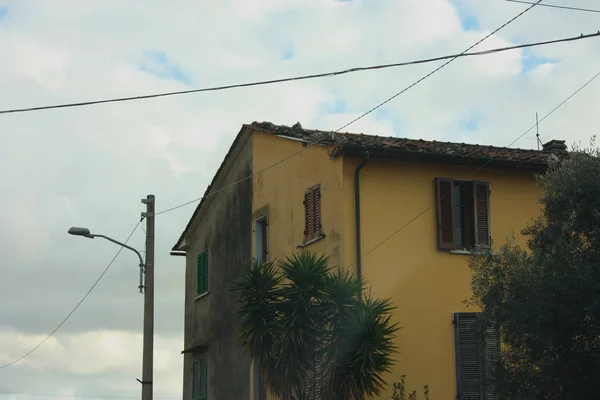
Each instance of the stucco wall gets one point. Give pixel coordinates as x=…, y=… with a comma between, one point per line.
x=427, y=285
x=280, y=190
x=222, y=228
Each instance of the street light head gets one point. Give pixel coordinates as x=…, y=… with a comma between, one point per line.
x=85, y=232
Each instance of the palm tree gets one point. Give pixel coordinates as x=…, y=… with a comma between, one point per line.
x=312, y=331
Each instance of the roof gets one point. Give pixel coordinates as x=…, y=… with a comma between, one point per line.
x=348, y=143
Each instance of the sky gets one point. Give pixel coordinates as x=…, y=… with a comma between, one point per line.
x=91, y=166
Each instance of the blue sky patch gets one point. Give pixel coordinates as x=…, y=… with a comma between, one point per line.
x=384, y=114
x=288, y=53
x=335, y=107
x=468, y=20
x=3, y=12
x=471, y=123
x=157, y=63
x=530, y=61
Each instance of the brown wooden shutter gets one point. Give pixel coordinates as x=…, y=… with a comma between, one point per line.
x=482, y=212
x=317, y=210
x=312, y=213
x=445, y=212
x=313, y=381
x=308, y=215
x=469, y=361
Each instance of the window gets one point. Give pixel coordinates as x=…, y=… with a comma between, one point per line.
x=463, y=210
x=476, y=351
x=200, y=378
x=312, y=213
x=202, y=272
x=261, y=239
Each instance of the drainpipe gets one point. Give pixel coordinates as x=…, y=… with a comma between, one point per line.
x=357, y=213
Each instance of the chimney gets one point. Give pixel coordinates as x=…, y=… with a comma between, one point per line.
x=555, y=146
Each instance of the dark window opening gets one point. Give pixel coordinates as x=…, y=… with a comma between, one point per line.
x=462, y=213
x=261, y=239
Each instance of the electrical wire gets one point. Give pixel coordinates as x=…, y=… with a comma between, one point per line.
x=305, y=77
x=310, y=144
x=438, y=68
x=557, y=6
x=478, y=169
x=76, y=306
x=83, y=396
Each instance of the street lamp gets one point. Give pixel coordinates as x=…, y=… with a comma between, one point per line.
x=146, y=283
x=85, y=232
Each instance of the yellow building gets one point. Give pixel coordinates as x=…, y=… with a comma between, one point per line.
x=400, y=213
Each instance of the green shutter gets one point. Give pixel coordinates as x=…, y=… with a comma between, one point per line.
x=202, y=272
x=200, y=382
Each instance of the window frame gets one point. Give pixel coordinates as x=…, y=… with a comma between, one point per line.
x=475, y=196
x=313, y=225
x=202, y=274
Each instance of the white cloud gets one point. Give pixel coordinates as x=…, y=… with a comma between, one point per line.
x=91, y=166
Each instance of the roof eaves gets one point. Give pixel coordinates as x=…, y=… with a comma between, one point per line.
x=383, y=152
x=178, y=244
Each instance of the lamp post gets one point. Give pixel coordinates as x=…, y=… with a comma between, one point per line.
x=147, y=284
x=85, y=232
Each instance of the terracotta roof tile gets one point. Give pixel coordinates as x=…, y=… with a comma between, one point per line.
x=414, y=145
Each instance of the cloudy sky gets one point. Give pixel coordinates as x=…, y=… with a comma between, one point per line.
x=90, y=166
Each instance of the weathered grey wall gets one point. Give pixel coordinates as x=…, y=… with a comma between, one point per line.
x=224, y=228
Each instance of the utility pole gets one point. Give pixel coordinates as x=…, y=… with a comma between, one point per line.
x=537, y=127
x=148, y=352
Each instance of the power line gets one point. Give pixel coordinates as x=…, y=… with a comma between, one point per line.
x=351, y=122
x=480, y=168
x=84, y=396
x=438, y=68
x=557, y=6
x=305, y=77
x=77, y=305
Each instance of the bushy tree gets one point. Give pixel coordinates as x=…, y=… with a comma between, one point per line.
x=546, y=298
x=313, y=332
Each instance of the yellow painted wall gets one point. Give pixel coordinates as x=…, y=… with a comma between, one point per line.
x=427, y=285
x=281, y=189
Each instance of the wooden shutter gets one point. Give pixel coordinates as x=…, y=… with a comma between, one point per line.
x=313, y=381
x=317, y=211
x=200, y=281
x=265, y=240
x=308, y=215
x=318, y=379
x=445, y=212
x=482, y=212
x=491, y=354
x=469, y=361
x=312, y=213
x=200, y=379
x=202, y=271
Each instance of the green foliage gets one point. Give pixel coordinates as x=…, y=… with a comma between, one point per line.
x=301, y=314
x=400, y=392
x=546, y=298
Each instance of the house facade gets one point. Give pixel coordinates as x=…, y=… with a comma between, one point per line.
x=400, y=213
